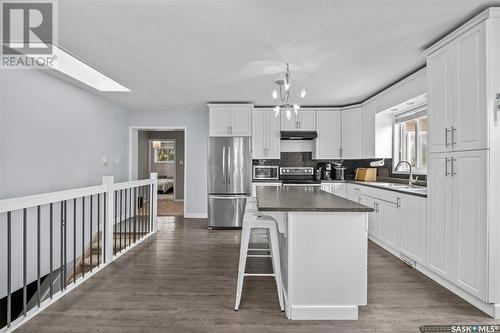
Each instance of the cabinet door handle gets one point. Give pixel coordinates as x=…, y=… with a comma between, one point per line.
x=446, y=131
x=453, y=160
x=398, y=202
x=453, y=130
x=446, y=160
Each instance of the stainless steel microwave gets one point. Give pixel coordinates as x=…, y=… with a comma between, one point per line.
x=265, y=172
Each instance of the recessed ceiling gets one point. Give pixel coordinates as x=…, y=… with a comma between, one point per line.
x=175, y=53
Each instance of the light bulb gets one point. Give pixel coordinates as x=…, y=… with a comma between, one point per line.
x=276, y=110
x=288, y=114
x=302, y=93
x=287, y=86
x=296, y=108
x=275, y=94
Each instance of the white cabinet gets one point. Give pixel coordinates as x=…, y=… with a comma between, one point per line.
x=387, y=214
x=351, y=133
x=230, y=119
x=412, y=227
x=373, y=220
x=457, y=217
x=303, y=120
x=456, y=78
x=265, y=134
x=368, y=130
x=327, y=144
x=339, y=189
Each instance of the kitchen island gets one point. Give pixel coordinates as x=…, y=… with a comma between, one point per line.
x=323, y=250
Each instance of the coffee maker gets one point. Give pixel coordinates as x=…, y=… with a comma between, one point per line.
x=326, y=170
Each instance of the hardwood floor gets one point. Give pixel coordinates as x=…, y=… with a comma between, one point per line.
x=167, y=206
x=183, y=279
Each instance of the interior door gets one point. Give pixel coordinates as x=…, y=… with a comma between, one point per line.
x=470, y=220
x=440, y=99
x=439, y=214
x=239, y=165
x=217, y=165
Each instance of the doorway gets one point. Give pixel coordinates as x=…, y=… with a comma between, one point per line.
x=162, y=151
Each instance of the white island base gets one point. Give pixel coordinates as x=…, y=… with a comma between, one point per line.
x=323, y=263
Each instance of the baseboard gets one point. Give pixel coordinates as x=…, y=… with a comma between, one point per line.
x=497, y=311
x=322, y=312
x=196, y=215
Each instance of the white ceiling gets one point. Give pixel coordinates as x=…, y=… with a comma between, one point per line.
x=174, y=53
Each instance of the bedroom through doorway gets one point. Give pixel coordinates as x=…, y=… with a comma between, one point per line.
x=163, y=152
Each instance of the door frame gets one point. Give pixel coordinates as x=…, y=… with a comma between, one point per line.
x=133, y=152
x=150, y=156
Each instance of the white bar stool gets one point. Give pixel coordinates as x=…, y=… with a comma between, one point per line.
x=255, y=220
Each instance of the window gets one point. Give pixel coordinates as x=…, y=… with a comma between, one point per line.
x=410, y=140
x=164, y=151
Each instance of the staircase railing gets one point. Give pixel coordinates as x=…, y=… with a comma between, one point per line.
x=51, y=243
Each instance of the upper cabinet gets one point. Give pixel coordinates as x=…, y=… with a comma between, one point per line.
x=368, y=130
x=265, y=134
x=230, y=119
x=327, y=144
x=303, y=120
x=351, y=133
x=457, y=94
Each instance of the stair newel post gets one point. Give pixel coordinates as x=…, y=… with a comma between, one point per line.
x=154, y=199
x=108, y=182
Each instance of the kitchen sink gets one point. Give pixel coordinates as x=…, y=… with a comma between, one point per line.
x=402, y=187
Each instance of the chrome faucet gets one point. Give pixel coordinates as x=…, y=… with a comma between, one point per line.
x=411, y=181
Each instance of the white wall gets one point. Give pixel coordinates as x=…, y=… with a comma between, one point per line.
x=53, y=135
x=195, y=120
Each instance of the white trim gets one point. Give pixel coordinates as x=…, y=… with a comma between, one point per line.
x=132, y=184
x=491, y=12
x=133, y=134
x=497, y=311
x=322, y=312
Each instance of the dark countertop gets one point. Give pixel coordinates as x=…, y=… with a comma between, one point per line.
x=304, y=199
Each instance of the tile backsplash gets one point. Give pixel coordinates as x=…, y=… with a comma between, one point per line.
x=304, y=159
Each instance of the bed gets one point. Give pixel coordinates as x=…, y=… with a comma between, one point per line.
x=165, y=184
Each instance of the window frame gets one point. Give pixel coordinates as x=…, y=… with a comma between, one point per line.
x=396, y=141
x=170, y=141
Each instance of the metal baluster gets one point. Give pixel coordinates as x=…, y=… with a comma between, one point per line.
x=114, y=223
x=121, y=218
x=61, y=269
x=90, y=231
x=130, y=216
x=51, y=261
x=125, y=221
x=9, y=255
x=82, y=258
x=74, y=240
x=105, y=227
x=65, y=242
x=135, y=214
x=98, y=229
x=38, y=240
x=25, y=282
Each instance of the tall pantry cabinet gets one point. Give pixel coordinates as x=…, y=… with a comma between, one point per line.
x=463, y=72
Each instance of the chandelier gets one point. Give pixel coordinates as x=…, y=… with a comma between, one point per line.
x=283, y=98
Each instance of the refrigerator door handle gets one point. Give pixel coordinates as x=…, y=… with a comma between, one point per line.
x=229, y=197
x=229, y=164
x=224, y=165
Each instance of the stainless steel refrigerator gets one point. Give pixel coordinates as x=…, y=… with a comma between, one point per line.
x=229, y=180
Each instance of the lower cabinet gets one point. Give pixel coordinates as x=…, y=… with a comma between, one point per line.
x=412, y=227
x=339, y=189
x=388, y=219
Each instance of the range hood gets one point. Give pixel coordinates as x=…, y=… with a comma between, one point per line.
x=298, y=135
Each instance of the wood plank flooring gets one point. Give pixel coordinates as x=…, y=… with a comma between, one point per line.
x=183, y=279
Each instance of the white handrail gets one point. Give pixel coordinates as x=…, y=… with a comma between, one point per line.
x=132, y=184
x=9, y=205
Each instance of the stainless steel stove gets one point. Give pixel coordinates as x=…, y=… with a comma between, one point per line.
x=298, y=176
